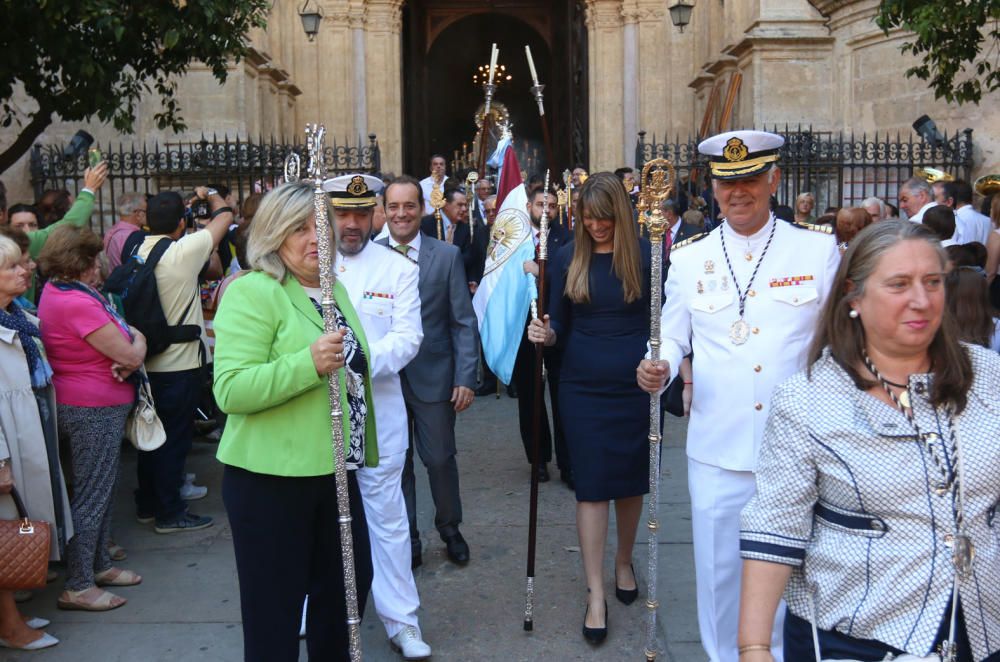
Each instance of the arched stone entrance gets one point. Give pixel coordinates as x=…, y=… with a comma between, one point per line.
x=444, y=41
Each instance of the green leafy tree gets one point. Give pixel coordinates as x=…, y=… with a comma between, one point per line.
x=97, y=58
x=957, y=42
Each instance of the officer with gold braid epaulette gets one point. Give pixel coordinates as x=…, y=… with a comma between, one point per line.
x=744, y=298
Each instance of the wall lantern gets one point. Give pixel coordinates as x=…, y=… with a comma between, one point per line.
x=680, y=14
x=311, y=19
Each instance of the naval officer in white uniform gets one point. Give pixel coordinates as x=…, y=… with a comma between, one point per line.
x=744, y=298
x=382, y=284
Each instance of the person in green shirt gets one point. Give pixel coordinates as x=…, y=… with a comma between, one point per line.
x=78, y=214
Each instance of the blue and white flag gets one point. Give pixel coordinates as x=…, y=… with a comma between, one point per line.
x=505, y=292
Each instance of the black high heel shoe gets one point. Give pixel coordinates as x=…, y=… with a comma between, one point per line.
x=627, y=596
x=595, y=635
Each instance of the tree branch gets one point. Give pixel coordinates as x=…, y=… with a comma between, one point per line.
x=39, y=122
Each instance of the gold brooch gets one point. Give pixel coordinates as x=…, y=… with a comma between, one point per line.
x=357, y=186
x=735, y=150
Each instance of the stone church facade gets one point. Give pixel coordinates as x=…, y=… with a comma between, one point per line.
x=370, y=69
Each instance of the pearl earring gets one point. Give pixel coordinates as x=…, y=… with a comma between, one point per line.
x=854, y=314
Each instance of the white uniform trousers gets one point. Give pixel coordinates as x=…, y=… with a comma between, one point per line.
x=717, y=498
x=393, y=587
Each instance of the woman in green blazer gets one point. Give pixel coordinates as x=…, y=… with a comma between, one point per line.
x=271, y=365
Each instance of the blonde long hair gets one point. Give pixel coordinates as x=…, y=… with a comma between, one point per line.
x=602, y=196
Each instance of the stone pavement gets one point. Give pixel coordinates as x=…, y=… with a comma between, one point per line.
x=187, y=608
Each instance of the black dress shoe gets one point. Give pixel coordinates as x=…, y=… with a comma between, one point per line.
x=595, y=635
x=511, y=391
x=543, y=473
x=458, y=549
x=416, y=560
x=567, y=477
x=627, y=596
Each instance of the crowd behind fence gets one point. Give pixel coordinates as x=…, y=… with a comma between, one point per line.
x=244, y=166
x=839, y=169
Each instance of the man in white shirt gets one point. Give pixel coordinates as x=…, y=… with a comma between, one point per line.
x=438, y=167
x=915, y=197
x=744, y=298
x=970, y=225
x=382, y=284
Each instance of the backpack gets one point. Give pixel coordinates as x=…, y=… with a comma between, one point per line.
x=135, y=282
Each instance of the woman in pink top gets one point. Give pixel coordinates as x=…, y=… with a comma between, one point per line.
x=92, y=351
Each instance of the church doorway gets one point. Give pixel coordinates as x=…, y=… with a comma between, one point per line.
x=444, y=44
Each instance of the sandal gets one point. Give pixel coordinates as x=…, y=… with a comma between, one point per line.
x=74, y=600
x=116, y=552
x=117, y=577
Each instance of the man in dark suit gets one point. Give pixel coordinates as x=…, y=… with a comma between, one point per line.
x=438, y=383
x=679, y=231
x=455, y=230
x=524, y=364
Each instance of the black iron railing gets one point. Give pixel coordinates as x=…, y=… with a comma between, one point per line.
x=243, y=166
x=838, y=169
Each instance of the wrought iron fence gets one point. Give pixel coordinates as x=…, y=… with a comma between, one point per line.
x=840, y=170
x=243, y=166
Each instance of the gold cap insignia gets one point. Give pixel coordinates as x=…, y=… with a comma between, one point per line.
x=735, y=150
x=358, y=186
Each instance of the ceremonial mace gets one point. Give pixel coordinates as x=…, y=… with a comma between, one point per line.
x=537, y=312
x=470, y=187
x=536, y=91
x=437, y=202
x=489, y=88
x=656, y=185
x=568, y=183
x=314, y=144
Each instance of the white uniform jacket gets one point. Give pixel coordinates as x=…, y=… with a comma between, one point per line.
x=383, y=288
x=733, y=383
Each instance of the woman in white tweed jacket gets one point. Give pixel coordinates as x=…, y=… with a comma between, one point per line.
x=866, y=457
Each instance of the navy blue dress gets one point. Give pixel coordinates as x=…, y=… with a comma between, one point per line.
x=605, y=415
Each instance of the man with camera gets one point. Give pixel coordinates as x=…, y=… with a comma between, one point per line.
x=175, y=373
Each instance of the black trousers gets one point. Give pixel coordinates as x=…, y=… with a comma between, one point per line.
x=524, y=380
x=287, y=543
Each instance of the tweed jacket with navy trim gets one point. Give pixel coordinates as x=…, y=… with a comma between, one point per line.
x=846, y=494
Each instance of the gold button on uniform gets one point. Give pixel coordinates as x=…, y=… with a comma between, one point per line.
x=756, y=330
x=758, y=406
x=752, y=293
x=756, y=368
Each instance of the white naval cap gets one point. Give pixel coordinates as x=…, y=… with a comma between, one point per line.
x=353, y=190
x=737, y=154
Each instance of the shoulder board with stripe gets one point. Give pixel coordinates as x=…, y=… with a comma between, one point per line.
x=825, y=229
x=689, y=241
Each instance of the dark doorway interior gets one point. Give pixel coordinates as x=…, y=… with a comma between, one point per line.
x=444, y=43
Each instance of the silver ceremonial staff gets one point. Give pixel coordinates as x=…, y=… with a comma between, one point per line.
x=657, y=184
x=314, y=144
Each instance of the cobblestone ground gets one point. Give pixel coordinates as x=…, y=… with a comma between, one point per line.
x=187, y=607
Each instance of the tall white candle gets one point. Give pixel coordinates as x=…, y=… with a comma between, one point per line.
x=531, y=65
x=493, y=62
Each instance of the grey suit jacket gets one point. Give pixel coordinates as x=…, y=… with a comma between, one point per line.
x=450, y=348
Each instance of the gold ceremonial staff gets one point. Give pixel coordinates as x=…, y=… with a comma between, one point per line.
x=314, y=144
x=437, y=202
x=657, y=184
x=470, y=189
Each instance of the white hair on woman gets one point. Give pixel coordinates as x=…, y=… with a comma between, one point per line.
x=281, y=212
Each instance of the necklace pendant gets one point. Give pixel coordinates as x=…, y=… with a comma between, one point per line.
x=739, y=332
x=748, y=256
x=963, y=552
x=904, y=398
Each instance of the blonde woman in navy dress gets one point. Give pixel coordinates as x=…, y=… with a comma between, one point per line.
x=599, y=318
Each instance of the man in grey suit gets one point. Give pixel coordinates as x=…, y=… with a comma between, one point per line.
x=438, y=383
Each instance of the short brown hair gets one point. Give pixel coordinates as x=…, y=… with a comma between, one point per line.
x=19, y=236
x=851, y=221
x=68, y=252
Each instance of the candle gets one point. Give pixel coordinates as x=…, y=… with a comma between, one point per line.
x=493, y=63
x=531, y=65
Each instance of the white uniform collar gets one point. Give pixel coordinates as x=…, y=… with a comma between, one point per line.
x=759, y=235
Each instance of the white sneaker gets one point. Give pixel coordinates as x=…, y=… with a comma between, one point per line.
x=192, y=492
x=409, y=643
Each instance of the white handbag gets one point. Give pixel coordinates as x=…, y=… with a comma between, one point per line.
x=143, y=427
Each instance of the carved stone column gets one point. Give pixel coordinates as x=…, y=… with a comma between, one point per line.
x=327, y=73
x=606, y=61
x=356, y=20
x=383, y=61
x=631, y=84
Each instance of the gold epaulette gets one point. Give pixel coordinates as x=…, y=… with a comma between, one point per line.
x=815, y=227
x=688, y=241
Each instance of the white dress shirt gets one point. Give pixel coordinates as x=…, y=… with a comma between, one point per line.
x=414, y=245
x=970, y=225
x=919, y=216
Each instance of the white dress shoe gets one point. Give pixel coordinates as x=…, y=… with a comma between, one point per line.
x=192, y=492
x=408, y=642
x=46, y=641
x=38, y=623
